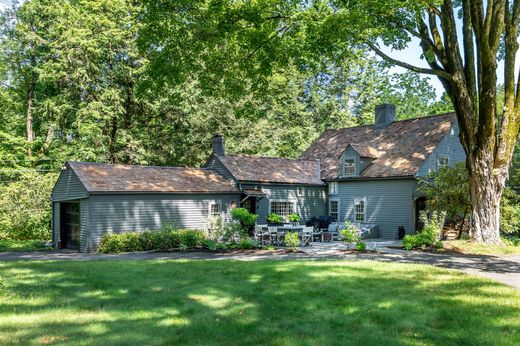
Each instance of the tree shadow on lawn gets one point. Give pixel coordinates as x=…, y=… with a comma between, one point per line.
x=265, y=302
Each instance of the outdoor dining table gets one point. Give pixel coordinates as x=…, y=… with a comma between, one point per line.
x=289, y=228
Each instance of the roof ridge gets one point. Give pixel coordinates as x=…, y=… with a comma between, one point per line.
x=396, y=121
x=271, y=157
x=143, y=166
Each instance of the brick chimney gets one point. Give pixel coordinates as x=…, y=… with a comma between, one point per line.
x=218, y=145
x=384, y=116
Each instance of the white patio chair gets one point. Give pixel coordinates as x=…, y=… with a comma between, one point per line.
x=307, y=235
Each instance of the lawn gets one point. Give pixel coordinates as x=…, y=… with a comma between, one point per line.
x=249, y=303
x=470, y=247
x=23, y=245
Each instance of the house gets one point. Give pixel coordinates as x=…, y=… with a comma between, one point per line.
x=372, y=170
x=367, y=174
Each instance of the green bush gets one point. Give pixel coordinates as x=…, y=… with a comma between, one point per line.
x=274, y=218
x=349, y=234
x=25, y=209
x=292, y=240
x=163, y=239
x=233, y=233
x=510, y=212
x=243, y=216
x=293, y=217
x=211, y=245
x=360, y=246
x=430, y=233
x=246, y=243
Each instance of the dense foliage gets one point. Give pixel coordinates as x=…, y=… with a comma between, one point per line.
x=165, y=239
x=430, y=234
x=448, y=190
x=25, y=211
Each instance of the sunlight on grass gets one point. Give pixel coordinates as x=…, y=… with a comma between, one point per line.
x=470, y=247
x=250, y=303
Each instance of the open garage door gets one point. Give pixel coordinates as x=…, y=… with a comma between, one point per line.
x=70, y=225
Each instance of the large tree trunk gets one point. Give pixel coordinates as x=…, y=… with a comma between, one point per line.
x=486, y=191
x=29, y=117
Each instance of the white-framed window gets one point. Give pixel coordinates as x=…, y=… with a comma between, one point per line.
x=333, y=188
x=349, y=167
x=443, y=161
x=215, y=209
x=282, y=208
x=359, y=211
x=334, y=209
x=300, y=191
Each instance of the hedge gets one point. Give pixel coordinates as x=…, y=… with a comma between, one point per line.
x=163, y=239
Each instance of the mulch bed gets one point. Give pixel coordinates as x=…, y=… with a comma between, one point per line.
x=434, y=250
x=352, y=251
x=238, y=251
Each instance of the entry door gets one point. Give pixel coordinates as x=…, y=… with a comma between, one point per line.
x=420, y=205
x=250, y=205
x=70, y=225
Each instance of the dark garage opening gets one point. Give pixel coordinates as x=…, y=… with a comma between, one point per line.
x=70, y=225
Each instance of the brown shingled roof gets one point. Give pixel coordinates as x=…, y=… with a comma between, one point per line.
x=98, y=177
x=402, y=147
x=272, y=169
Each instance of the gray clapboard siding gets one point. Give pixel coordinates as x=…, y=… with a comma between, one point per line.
x=148, y=212
x=68, y=187
x=388, y=203
x=450, y=147
x=56, y=219
x=84, y=224
x=313, y=202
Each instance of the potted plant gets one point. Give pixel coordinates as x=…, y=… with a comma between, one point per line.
x=294, y=219
x=274, y=220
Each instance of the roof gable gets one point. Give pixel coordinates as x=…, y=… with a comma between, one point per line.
x=99, y=177
x=401, y=148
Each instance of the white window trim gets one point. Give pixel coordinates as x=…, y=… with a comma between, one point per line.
x=356, y=202
x=211, y=203
x=439, y=166
x=345, y=174
x=339, y=207
x=281, y=200
x=300, y=191
x=333, y=183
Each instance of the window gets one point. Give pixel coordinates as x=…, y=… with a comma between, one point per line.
x=282, y=208
x=333, y=188
x=443, y=161
x=349, y=167
x=334, y=209
x=300, y=191
x=359, y=211
x=214, y=209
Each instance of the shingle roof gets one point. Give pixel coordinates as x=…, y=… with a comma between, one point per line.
x=99, y=177
x=402, y=147
x=365, y=150
x=272, y=169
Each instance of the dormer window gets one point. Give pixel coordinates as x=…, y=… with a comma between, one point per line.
x=349, y=167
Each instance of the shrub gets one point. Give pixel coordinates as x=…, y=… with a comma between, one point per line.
x=293, y=217
x=243, y=216
x=25, y=211
x=349, y=234
x=274, y=218
x=510, y=212
x=360, y=246
x=215, y=228
x=211, y=245
x=292, y=240
x=439, y=245
x=246, y=243
x=430, y=233
x=233, y=233
x=163, y=239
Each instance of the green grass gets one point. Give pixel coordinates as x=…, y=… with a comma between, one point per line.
x=23, y=245
x=250, y=303
x=470, y=247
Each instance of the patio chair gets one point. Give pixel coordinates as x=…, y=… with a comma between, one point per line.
x=307, y=235
x=317, y=233
x=262, y=234
x=273, y=235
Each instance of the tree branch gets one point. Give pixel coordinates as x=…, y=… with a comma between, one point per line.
x=436, y=72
